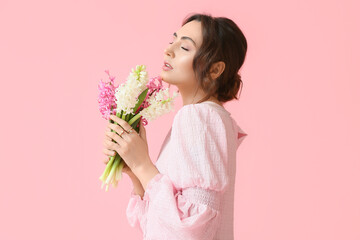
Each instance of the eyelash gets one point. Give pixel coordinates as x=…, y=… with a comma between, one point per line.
x=181, y=47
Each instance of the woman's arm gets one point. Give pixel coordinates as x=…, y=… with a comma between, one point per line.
x=138, y=188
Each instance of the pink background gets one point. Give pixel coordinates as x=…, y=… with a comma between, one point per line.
x=298, y=171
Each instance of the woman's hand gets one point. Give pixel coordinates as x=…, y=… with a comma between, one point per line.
x=131, y=146
x=109, y=153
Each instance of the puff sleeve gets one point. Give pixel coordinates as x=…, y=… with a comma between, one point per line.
x=185, y=202
x=136, y=212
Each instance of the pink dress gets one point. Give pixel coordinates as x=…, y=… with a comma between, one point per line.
x=193, y=195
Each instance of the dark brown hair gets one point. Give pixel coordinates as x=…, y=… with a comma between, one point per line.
x=222, y=41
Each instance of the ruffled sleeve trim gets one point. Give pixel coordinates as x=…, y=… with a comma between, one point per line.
x=150, y=186
x=136, y=211
x=189, y=213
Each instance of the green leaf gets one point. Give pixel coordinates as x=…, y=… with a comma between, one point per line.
x=141, y=98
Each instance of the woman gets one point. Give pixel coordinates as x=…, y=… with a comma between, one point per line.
x=189, y=192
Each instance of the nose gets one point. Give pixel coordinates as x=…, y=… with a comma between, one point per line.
x=168, y=52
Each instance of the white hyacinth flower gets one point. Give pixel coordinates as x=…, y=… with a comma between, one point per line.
x=159, y=105
x=127, y=93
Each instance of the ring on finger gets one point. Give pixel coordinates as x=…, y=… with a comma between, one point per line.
x=132, y=130
x=122, y=132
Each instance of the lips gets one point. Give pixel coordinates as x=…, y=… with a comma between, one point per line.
x=168, y=65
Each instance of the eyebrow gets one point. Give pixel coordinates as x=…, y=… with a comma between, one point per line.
x=185, y=37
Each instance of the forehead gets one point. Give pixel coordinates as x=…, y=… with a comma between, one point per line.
x=193, y=30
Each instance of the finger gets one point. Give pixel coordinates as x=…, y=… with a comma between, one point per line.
x=106, y=160
x=119, y=141
x=123, y=134
x=106, y=140
x=107, y=129
x=109, y=152
x=110, y=145
x=142, y=131
x=125, y=125
x=106, y=136
x=118, y=129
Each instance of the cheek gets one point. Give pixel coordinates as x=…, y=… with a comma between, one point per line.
x=182, y=73
x=185, y=66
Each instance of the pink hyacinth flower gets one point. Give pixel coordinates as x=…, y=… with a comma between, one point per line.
x=153, y=87
x=106, y=99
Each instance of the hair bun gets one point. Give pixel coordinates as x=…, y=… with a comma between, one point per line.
x=230, y=90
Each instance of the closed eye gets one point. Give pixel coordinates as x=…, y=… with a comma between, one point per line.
x=181, y=47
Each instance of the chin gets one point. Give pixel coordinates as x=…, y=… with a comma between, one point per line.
x=164, y=77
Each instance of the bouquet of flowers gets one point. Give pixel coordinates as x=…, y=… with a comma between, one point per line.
x=138, y=99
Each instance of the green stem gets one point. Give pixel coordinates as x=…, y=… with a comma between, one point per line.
x=136, y=117
x=108, y=167
x=120, y=167
x=116, y=163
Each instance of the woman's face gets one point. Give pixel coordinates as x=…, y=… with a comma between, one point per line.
x=180, y=54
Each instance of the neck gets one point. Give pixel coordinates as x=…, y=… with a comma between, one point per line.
x=193, y=96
